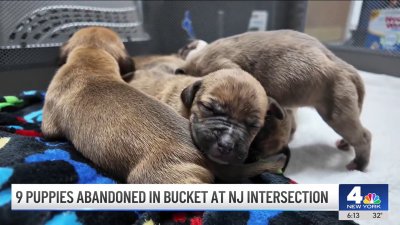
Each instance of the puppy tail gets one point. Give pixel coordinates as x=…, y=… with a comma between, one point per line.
x=235, y=173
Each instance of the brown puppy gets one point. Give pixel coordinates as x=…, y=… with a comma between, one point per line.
x=270, y=140
x=226, y=109
x=296, y=70
x=131, y=135
x=166, y=63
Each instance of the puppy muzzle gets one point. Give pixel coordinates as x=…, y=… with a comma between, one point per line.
x=222, y=142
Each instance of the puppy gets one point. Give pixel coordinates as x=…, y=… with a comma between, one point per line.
x=166, y=63
x=226, y=109
x=296, y=70
x=122, y=130
x=273, y=138
x=125, y=132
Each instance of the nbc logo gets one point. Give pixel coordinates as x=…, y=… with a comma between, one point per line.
x=371, y=201
x=372, y=198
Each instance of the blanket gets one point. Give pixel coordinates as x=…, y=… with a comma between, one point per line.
x=26, y=157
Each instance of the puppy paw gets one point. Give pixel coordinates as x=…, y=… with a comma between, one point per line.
x=343, y=145
x=353, y=165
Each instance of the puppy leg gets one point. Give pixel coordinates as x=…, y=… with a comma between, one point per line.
x=359, y=87
x=341, y=111
x=49, y=128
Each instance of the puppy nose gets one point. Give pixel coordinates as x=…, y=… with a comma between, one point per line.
x=225, y=144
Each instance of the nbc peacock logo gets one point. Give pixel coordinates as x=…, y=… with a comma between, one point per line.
x=372, y=198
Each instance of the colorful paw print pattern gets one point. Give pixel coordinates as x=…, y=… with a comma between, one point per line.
x=371, y=198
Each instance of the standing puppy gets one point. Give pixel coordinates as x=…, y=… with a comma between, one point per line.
x=226, y=109
x=123, y=131
x=296, y=70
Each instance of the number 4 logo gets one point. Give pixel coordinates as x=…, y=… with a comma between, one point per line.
x=355, y=195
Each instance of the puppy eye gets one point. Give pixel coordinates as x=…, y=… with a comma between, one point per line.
x=253, y=123
x=205, y=107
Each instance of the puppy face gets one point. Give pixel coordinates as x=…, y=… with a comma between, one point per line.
x=227, y=109
x=100, y=38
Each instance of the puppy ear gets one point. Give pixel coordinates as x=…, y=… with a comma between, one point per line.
x=179, y=71
x=188, y=94
x=275, y=109
x=185, y=50
x=126, y=68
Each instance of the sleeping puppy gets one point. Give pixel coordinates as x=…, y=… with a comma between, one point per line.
x=297, y=70
x=226, y=109
x=272, y=139
x=122, y=130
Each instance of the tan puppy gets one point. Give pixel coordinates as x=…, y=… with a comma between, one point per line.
x=127, y=133
x=133, y=136
x=296, y=70
x=226, y=109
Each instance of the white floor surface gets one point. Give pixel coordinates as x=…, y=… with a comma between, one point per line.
x=316, y=160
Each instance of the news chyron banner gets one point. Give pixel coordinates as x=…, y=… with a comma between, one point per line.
x=355, y=201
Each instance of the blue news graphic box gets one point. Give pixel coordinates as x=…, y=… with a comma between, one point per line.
x=362, y=197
